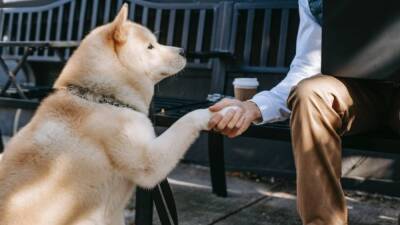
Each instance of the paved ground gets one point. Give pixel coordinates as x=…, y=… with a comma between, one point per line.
x=262, y=203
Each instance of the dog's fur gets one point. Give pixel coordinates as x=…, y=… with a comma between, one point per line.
x=78, y=161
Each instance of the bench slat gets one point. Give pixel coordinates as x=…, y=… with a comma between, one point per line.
x=214, y=34
x=38, y=28
x=70, y=25
x=49, y=24
x=185, y=31
x=119, y=5
x=266, y=38
x=132, y=11
x=157, y=24
x=28, y=27
x=10, y=25
x=248, y=36
x=94, y=14
x=1, y=24
x=234, y=30
x=19, y=30
x=145, y=15
x=283, y=37
x=200, y=32
x=48, y=29
x=59, y=23
x=9, y=31
x=19, y=27
x=171, y=27
x=82, y=19
x=106, y=16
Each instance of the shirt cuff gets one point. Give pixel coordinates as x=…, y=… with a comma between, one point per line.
x=262, y=106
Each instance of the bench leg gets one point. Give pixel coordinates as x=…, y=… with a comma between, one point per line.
x=165, y=204
x=217, y=163
x=144, y=207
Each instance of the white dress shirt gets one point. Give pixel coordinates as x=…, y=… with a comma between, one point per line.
x=306, y=63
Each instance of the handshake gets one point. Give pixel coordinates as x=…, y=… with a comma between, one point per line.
x=236, y=120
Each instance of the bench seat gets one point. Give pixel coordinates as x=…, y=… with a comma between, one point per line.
x=383, y=140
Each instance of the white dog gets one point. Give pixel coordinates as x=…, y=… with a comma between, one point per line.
x=91, y=142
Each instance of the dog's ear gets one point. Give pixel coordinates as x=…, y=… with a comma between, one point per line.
x=119, y=33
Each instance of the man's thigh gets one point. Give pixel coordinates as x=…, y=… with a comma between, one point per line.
x=361, y=104
x=371, y=103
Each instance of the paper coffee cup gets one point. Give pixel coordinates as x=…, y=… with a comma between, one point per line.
x=245, y=88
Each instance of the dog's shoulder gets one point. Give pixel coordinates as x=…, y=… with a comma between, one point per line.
x=64, y=107
x=94, y=119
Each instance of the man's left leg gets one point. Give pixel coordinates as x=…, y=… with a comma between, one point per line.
x=323, y=109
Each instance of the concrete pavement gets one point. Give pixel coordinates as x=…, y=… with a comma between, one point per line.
x=260, y=203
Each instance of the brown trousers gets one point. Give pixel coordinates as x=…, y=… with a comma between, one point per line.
x=323, y=109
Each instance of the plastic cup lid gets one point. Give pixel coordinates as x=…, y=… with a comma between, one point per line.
x=245, y=82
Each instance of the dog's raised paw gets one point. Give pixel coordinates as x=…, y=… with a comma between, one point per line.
x=225, y=110
x=201, y=118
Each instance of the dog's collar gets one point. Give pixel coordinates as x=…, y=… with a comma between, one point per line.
x=88, y=95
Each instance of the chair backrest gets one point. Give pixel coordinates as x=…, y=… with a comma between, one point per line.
x=264, y=35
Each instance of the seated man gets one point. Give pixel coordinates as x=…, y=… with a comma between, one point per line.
x=321, y=109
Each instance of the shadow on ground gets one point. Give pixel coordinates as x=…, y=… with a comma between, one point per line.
x=254, y=203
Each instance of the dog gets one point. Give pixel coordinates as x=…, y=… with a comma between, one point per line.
x=90, y=142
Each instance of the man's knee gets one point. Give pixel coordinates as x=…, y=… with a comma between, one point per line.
x=306, y=90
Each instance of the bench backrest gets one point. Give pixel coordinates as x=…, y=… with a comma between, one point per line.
x=62, y=20
x=189, y=25
x=192, y=26
x=264, y=35
x=260, y=34
x=263, y=38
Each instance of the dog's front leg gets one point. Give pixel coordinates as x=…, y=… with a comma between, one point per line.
x=155, y=157
x=164, y=152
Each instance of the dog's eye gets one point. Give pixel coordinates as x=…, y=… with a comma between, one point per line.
x=150, y=46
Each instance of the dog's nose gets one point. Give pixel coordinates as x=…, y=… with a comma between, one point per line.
x=182, y=52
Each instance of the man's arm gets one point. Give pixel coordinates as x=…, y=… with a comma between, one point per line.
x=306, y=63
x=270, y=106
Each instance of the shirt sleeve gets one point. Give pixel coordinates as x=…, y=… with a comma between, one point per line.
x=306, y=63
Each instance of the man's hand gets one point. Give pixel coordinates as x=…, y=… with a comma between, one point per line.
x=235, y=122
